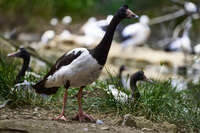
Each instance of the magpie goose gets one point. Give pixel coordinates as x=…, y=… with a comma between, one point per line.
x=80, y=66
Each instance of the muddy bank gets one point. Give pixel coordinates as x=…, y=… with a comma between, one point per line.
x=39, y=120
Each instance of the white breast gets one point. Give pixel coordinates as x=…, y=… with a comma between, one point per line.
x=81, y=72
x=139, y=32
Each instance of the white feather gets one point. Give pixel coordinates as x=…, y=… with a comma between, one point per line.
x=139, y=32
x=126, y=82
x=64, y=35
x=118, y=95
x=67, y=20
x=190, y=7
x=54, y=21
x=197, y=49
x=93, y=28
x=81, y=72
x=183, y=43
x=48, y=35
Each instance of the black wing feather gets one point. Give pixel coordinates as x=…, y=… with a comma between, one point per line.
x=62, y=61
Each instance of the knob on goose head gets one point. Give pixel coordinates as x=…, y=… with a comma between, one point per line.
x=125, y=12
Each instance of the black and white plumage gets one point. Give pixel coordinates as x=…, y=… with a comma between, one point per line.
x=135, y=94
x=138, y=33
x=182, y=43
x=77, y=66
x=81, y=66
x=20, y=83
x=124, y=80
x=138, y=76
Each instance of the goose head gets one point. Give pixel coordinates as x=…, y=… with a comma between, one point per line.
x=122, y=68
x=21, y=53
x=125, y=12
x=139, y=76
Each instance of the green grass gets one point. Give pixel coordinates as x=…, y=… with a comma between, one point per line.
x=158, y=102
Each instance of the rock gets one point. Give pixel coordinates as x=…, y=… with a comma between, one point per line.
x=138, y=122
x=146, y=125
x=128, y=121
x=147, y=130
x=93, y=125
x=105, y=128
x=168, y=127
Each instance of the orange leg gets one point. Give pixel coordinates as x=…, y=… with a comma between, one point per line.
x=82, y=116
x=62, y=115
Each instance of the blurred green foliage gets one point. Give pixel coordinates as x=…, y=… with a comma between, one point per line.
x=81, y=8
x=45, y=8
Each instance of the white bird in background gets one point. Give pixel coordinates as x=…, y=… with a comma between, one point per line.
x=182, y=43
x=67, y=20
x=104, y=22
x=179, y=84
x=122, y=96
x=93, y=28
x=64, y=35
x=54, y=21
x=190, y=7
x=197, y=49
x=137, y=33
x=47, y=36
x=117, y=94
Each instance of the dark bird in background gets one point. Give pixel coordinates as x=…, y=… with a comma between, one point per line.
x=80, y=66
x=20, y=81
x=21, y=53
x=135, y=94
x=138, y=76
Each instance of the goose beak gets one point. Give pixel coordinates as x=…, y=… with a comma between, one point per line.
x=130, y=14
x=15, y=54
x=147, y=80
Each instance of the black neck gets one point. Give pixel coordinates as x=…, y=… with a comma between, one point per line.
x=25, y=66
x=120, y=73
x=133, y=85
x=101, y=51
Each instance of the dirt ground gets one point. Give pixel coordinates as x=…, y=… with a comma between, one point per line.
x=39, y=120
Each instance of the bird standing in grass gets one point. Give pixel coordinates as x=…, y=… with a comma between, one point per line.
x=80, y=66
x=21, y=53
x=138, y=76
x=25, y=55
x=135, y=94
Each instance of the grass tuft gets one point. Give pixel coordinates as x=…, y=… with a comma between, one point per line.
x=158, y=102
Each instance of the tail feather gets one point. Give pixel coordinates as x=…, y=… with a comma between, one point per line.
x=39, y=88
